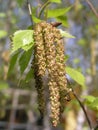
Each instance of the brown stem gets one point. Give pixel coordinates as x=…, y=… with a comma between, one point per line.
x=81, y=105
x=30, y=11
x=92, y=7
x=43, y=7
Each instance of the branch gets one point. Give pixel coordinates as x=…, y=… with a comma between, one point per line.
x=81, y=105
x=43, y=7
x=30, y=11
x=92, y=8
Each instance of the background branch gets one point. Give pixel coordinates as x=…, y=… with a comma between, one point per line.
x=92, y=8
x=43, y=7
x=30, y=11
x=81, y=105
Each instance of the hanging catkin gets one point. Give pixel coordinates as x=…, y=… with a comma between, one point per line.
x=39, y=65
x=60, y=62
x=49, y=57
x=51, y=68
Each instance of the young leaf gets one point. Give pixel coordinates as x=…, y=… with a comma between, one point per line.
x=21, y=39
x=89, y=99
x=94, y=104
x=3, y=33
x=63, y=20
x=27, y=47
x=91, y=102
x=66, y=34
x=24, y=60
x=55, y=1
x=13, y=61
x=35, y=19
x=29, y=75
x=75, y=75
x=57, y=12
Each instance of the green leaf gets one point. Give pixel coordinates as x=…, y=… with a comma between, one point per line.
x=13, y=61
x=20, y=2
x=22, y=39
x=66, y=58
x=91, y=102
x=29, y=75
x=35, y=19
x=24, y=60
x=27, y=47
x=66, y=34
x=63, y=20
x=3, y=33
x=34, y=10
x=3, y=85
x=57, y=12
x=94, y=104
x=89, y=99
x=55, y=1
x=75, y=75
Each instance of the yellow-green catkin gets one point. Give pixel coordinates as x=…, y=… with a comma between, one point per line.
x=51, y=68
x=49, y=59
x=39, y=50
x=39, y=66
x=62, y=82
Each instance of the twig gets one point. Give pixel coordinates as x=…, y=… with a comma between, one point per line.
x=80, y=103
x=43, y=7
x=89, y=123
x=30, y=11
x=92, y=7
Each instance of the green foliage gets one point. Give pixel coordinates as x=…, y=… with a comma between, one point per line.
x=35, y=19
x=2, y=15
x=91, y=102
x=3, y=33
x=29, y=75
x=89, y=99
x=55, y=1
x=20, y=2
x=25, y=59
x=3, y=85
x=13, y=61
x=75, y=75
x=82, y=42
x=66, y=34
x=63, y=20
x=76, y=61
x=57, y=12
x=22, y=39
x=66, y=57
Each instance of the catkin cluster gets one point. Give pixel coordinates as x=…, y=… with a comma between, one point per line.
x=49, y=57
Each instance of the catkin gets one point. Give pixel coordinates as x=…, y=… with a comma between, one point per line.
x=49, y=57
x=51, y=68
x=62, y=82
x=39, y=66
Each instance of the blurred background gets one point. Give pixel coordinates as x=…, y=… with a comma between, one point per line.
x=18, y=102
